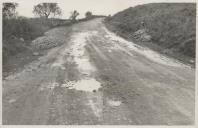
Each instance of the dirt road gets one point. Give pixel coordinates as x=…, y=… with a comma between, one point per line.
x=96, y=77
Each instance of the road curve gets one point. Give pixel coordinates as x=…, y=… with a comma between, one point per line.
x=96, y=77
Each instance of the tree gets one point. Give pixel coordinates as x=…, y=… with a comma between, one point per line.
x=47, y=9
x=9, y=10
x=74, y=15
x=88, y=15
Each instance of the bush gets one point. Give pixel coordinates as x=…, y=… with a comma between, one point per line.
x=17, y=30
x=23, y=28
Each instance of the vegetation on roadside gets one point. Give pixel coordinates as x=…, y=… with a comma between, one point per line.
x=9, y=10
x=172, y=26
x=18, y=31
x=47, y=9
x=74, y=15
x=88, y=15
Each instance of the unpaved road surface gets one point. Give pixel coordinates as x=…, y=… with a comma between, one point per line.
x=96, y=77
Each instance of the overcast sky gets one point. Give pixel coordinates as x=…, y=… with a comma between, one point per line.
x=98, y=7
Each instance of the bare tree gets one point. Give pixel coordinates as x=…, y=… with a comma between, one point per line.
x=74, y=15
x=47, y=9
x=88, y=15
x=9, y=10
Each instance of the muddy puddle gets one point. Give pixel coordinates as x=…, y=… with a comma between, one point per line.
x=87, y=82
x=87, y=85
x=114, y=103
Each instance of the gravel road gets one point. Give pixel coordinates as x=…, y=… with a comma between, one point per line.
x=96, y=77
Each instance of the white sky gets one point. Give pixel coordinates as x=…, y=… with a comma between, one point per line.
x=97, y=7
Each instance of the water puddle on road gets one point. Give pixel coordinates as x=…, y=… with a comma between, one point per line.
x=114, y=103
x=84, y=66
x=87, y=82
x=88, y=85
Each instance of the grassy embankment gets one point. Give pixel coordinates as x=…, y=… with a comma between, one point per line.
x=18, y=33
x=17, y=37
x=172, y=27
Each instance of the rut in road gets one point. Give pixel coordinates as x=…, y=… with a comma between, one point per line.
x=96, y=77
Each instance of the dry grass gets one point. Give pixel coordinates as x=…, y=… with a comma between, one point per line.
x=172, y=26
x=26, y=29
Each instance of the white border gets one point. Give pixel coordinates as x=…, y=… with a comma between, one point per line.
x=100, y=126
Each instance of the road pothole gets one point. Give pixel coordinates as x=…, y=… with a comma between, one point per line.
x=88, y=85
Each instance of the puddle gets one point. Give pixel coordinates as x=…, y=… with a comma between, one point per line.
x=84, y=66
x=114, y=103
x=88, y=85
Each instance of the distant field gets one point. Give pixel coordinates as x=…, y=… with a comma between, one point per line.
x=172, y=26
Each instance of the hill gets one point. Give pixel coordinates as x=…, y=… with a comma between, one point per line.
x=172, y=26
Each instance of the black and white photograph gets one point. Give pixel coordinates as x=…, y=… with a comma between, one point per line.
x=99, y=62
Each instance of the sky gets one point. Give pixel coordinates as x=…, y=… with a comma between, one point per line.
x=97, y=7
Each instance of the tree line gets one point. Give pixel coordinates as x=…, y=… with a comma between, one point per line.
x=43, y=10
